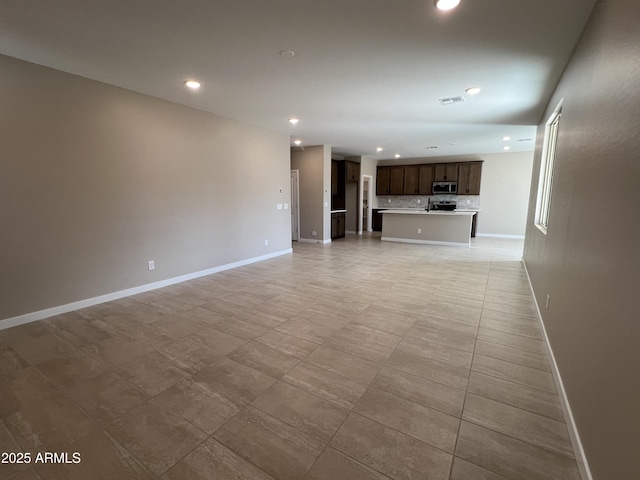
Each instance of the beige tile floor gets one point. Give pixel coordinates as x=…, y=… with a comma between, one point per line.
x=356, y=360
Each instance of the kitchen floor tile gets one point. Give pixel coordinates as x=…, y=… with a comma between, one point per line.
x=342, y=363
x=306, y=412
x=273, y=446
x=389, y=451
x=106, y=397
x=526, y=426
x=521, y=396
x=333, y=465
x=239, y=382
x=420, y=390
x=213, y=461
x=439, y=372
x=420, y=422
x=331, y=386
x=156, y=435
x=435, y=351
x=510, y=457
x=513, y=355
x=287, y=344
x=463, y=470
x=263, y=358
x=204, y=406
x=151, y=373
x=513, y=372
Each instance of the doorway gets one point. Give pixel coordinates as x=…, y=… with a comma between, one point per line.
x=295, y=201
x=366, y=203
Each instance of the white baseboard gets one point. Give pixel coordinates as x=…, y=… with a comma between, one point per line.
x=314, y=240
x=424, y=242
x=498, y=235
x=69, y=307
x=581, y=458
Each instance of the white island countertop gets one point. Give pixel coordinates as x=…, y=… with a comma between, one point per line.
x=430, y=212
x=430, y=227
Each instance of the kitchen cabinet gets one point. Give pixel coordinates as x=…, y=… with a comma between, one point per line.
x=411, y=177
x=382, y=180
x=396, y=180
x=376, y=220
x=445, y=172
x=418, y=179
x=469, y=174
x=338, y=195
x=338, y=225
x=353, y=171
x=425, y=181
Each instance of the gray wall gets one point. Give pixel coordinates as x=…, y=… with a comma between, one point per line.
x=96, y=180
x=589, y=262
x=314, y=165
x=504, y=193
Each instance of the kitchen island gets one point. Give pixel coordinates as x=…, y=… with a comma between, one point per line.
x=434, y=227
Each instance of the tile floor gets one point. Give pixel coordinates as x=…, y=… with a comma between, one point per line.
x=356, y=360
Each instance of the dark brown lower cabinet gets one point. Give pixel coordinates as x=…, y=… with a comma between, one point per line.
x=474, y=221
x=338, y=225
x=376, y=219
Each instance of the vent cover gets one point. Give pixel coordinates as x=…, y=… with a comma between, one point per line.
x=451, y=100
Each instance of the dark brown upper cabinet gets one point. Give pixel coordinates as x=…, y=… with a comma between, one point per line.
x=469, y=178
x=396, y=180
x=445, y=172
x=382, y=180
x=411, y=179
x=426, y=179
x=353, y=171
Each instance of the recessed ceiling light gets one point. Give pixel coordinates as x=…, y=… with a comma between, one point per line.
x=287, y=53
x=192, y=84
x=506, y=138
x=473, y=90
x=379, y=149
x=447, y=4
x=506, y=147
x=297, y=142
x=397, y=155
x=293, y=121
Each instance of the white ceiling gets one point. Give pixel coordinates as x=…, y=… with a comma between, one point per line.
x=366, y=73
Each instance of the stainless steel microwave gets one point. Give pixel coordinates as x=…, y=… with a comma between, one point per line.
x=445, y=187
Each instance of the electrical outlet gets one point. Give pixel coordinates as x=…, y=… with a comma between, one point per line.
x=152, y=265
x=266, y=243
x=419, y=230
x=547, y=304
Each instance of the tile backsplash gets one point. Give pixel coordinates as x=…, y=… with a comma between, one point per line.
x=420, y=201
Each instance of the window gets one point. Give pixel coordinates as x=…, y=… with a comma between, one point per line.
x=546, y=169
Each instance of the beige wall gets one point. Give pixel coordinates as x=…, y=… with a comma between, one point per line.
x=504, y=193
x=314, y=165
x=589, y=262
x=97, y=180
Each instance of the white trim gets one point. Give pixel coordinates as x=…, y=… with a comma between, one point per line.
x=578, y=450
x=499, y=235
x=296, y=194
x=424, y=242
x=313, y=240
x=69, y=307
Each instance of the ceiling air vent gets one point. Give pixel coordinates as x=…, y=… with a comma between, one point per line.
x=451, y=100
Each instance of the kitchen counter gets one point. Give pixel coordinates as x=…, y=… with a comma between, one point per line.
x=429, y=227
